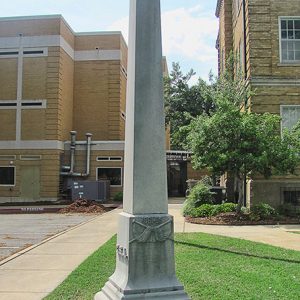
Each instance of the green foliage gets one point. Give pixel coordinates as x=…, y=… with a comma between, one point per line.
x=262, y=211
x=210, y=210
x=243, y=143
x=200, y=194
x=118, y=197
x=183, y=103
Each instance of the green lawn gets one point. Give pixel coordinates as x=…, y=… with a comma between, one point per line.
x=210, y=267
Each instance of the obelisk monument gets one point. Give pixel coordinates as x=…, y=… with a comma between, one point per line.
x=145, y=248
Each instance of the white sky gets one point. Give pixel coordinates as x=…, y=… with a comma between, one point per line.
x=189, y=26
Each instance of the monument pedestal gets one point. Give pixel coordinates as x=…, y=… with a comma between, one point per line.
x=145, y=260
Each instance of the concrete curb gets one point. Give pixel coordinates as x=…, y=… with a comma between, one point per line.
x=20, y=253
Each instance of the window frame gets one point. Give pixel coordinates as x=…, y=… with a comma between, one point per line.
x=14, y=167
x=287, y=18
x=111, y=168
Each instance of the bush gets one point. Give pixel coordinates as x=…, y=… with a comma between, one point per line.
x=262, y=211
x=210, y=210
x=199, y=195
x=118, y=197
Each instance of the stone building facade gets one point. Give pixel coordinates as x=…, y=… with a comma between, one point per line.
x=265, y=36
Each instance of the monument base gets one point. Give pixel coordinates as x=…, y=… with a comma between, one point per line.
x=145, y=266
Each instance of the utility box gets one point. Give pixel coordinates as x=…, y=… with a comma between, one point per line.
x=91, y=190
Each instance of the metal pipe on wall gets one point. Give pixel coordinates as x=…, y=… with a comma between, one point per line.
x=72, y=151
x=88, y=153
x=71, y=168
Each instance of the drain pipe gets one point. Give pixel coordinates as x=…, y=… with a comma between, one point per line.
x=72, y=150
x=88, y=154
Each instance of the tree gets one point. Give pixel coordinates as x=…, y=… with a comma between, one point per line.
x=243, y=144
x=183, y=103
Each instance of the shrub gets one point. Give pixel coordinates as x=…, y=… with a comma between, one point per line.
x=228, y=207
x=262, y=211
x=118, y=197
x=199, y=195
x=210, y=210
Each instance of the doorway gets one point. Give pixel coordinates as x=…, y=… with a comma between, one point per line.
x=177, y=177
x=30, y=183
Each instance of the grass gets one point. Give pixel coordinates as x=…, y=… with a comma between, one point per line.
x=297, y=232
x=210, y=267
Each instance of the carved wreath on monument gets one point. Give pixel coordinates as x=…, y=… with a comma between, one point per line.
x=151, y=229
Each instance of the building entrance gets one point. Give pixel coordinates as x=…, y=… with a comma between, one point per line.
x=177, y=173
x=30, y=183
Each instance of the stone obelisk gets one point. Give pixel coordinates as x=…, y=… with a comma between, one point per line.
x=145, y=248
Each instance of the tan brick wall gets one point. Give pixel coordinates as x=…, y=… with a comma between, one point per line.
x=225, y=30
x=66, y=100
x=49, y=173
x=97, y=99
x=34, y=78
x=103, y=42
x=264, y=37
x=33, y=124
x=8, y=78
x=7, y=124
x=12, y=28
x=53, y=93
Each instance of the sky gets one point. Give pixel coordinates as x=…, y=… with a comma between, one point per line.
x=189, y=27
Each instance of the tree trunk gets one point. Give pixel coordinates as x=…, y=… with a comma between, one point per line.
x=240, y=189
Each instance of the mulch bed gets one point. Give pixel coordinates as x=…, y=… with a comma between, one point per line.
x=84, y=206
x=236, y=219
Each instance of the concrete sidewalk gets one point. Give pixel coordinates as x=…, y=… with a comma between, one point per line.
x=41, y=268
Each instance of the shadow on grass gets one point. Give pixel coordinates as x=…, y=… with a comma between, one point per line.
x=236, y=252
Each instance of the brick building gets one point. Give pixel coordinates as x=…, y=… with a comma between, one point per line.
x=265, y=36
x=54, y=81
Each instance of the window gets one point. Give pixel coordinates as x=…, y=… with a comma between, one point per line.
x=35, y=104
x=290, y=39
x=290, y=115
x=114, y=175
x=7, y=104
x=7, y=176
x=291, y=196
x=8, y=53
x=109, y=158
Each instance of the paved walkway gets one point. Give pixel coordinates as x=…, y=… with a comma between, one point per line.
x=41, y=268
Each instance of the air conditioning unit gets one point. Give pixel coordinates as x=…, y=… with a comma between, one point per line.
x=91, y=190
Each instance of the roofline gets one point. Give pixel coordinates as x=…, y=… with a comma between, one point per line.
x=58, y=16
x=219, y=4
x=35, y=17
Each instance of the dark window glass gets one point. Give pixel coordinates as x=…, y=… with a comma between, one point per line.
x=283, y=24
x=9, y=53
x=8, y=104
x=291, y=197
x=34, y=52
x=114, y=175
x=103, y=158
x=297, y=34
x=297, y=24
x=291, y=34
x=32, y=104
x=116, y=158
x=7, y=176
x=291, y=24
x=283, y=34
